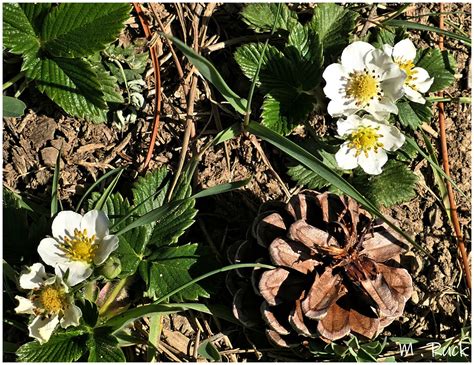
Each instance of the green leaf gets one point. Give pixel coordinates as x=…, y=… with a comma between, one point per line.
x=261, y=17
x=13, y=107
x=247, y=57
x=62, y=347
x=388, y=35
x=440, y=65
x=333, y=24
x=396, y=184
x=210, y=73
x=413, y=114
x=108, y=83
x=36, y=14
x=89, y=27
x=310, y=179
x=428, y=28
x=103, y=347
x=72, y=84
x=272, y=116
x=172, y=267
x=207, y=350
x=18, y=33
x=306, y=43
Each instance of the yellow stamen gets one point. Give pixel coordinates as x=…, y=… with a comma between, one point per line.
x=52, y=299
x=80, y=247
x=364, y=139
x=408, y=68
x=363, y=87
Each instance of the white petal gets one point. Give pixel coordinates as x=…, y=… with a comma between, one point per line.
x=414, y=95
x=422, y=80
x=388, y=49
x=42, y=329
x=96, y=222
x=346, y=126
x=346, y=158
x=72, y=316
x=106, y=246
x=25, y=306
x=378, y=61
x=393, y=82
x=65, y=223
x=33, y=278
x=380, y=109
x=392, y=138
x=334, y=75
x=339, y=108
x=50, y=252
x=373, y=162
x=353, y=56
x=78, y=272
x=404, y=50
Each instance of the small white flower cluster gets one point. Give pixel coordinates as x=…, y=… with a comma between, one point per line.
x=78, y=244
x=371, y=80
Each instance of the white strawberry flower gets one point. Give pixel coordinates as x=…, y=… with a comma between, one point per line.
x=49, y=301
x=365, y=79
x=366, y=143
x=78, y=243
x=417, y=80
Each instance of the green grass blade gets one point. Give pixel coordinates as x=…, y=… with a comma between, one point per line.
x=95, y=184
x=222, y=188
x=434, y=165
x=417, y=26
x=55, y=186
x=105, y=195
x=325, y=172
x=210, y=73
x=211, y=273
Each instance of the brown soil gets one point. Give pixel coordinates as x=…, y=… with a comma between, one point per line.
x=440, y=305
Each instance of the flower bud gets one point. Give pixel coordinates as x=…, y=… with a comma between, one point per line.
x=111, y=268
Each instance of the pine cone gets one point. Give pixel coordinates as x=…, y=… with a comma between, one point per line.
x=336, y=271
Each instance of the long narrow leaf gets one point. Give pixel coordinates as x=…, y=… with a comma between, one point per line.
x=316, y=165
x=418, y=26
x=210, y=73
x=434, y=165
x=95, y=184
x=222, y=188
x=54, y=187
x=105, y=195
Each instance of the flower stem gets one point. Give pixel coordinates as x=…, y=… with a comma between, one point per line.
x=14, y=79
x=113, y=295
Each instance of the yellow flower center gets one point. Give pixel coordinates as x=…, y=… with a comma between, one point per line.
x=407, y=67
x=364, y=139
x=52, y=299
x=80, y=247
x=363, y=87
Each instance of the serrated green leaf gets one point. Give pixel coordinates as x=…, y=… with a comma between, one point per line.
x=72, y=84
x=18, y=33
x=388, y=35
x=272, y=116
x=396, y=184
x=62, y=347
x=104, y=347
x=440, y=65
x=413, y=114
x=89, y=27
x=36, y=14
x=108, y=83
x=333, y=24
x=306, y=43
x=247, y=57
x=13, y=107
x=173, y=267
x=261, y=17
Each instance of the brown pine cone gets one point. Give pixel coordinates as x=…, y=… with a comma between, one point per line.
x=336, y=271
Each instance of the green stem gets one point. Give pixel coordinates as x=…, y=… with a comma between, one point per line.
x=14, y=79
x=119, y=65
x=113, y=296
x=461, y=99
